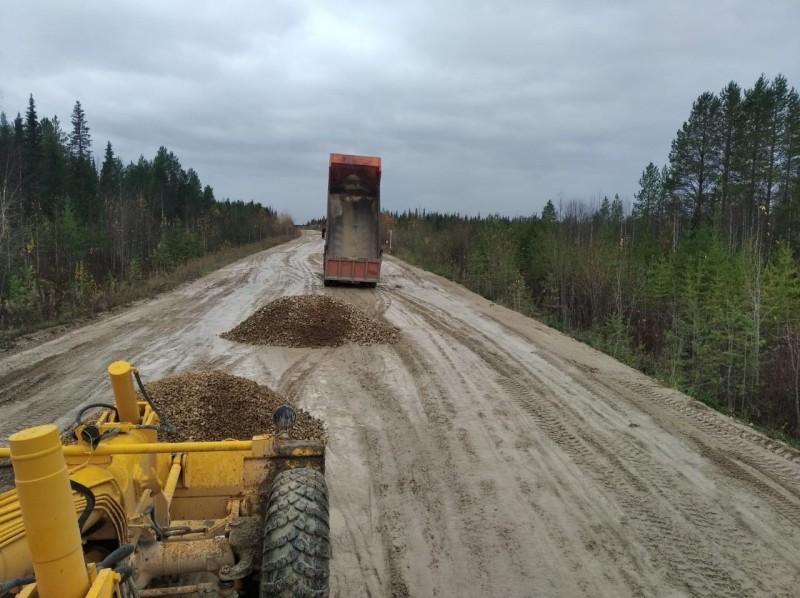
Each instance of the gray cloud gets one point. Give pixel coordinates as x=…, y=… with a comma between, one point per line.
x=474, y=106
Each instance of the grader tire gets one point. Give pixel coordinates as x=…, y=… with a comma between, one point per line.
x=296, y=549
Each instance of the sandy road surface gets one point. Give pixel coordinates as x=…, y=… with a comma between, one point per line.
x=483, y=455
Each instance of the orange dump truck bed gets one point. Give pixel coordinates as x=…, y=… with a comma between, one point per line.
x=352, y=247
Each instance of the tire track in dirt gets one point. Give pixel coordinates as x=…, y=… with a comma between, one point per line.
x=27, y=380
x=551, y=424
x=651, y=393
x=770, y=475
x=38, y=394
x=405, y=477
x=648, y=494
x=500, y=533
x=296, y=273
x=298, y=374
x=727, y=430
x=419, y=457
x=402, y=480
x=721, y=529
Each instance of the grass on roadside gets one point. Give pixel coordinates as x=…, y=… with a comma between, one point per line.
x=121, y=293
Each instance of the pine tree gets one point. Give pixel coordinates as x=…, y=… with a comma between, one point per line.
x=18, y=161
x=779, y=95
x=751, y=158
x=617, y=211
x=731, y=117
x=649, y=197
x=786, y=216
x=9, y=189
x=695, y=158
x=167, y=175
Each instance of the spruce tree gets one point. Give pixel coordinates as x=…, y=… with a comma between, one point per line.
x=84, y=176
x=54, y=167
x=32, y=157
x=80, y=142
x=111, y=174
x=782, y=310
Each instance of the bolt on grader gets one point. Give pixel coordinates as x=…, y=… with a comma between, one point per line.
x=122, y=515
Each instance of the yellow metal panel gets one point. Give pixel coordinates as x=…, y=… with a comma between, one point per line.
x=105, y=585
x=29, y=591
x=220, y=471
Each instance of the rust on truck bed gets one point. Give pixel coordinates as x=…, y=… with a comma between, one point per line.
x=373, y=161
x=352, y=250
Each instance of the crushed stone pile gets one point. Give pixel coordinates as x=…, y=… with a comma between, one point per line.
x=311, y=321
x=207, y=405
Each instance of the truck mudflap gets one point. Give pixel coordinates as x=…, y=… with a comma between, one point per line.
x=352, y=270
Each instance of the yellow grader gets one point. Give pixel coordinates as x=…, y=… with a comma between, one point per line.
x=120, y=514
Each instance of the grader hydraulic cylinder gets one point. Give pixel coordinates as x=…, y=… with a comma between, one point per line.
x=48, y=512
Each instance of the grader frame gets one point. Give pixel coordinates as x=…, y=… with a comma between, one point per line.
x=227, y=518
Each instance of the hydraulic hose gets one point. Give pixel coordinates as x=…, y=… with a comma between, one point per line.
x=116, y=556
x=9, y=585
x=167, y=426
x=79, y=419
x=90, y=501
x=169, y=532
x=112, y=559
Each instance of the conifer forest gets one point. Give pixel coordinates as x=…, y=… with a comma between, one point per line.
x=79, y=233
x=694, y=282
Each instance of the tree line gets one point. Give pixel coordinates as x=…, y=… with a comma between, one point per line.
x=70, y=231
x=696, y=283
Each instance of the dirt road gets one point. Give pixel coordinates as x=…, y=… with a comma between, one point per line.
x=483, y=455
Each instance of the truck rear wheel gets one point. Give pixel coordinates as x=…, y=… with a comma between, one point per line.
x=296, y=549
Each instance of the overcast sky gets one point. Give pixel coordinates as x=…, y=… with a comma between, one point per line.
x=475, y=107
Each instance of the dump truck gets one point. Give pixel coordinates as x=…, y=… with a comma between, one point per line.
x=352, y=233
x=121, y=514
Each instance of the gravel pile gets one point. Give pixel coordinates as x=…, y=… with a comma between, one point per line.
x=311, y=321
x=212, y=405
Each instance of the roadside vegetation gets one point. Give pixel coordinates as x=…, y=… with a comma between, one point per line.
x=695, y=283
x=75, y=240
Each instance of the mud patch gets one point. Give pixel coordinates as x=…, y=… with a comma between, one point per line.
x=311, y=321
